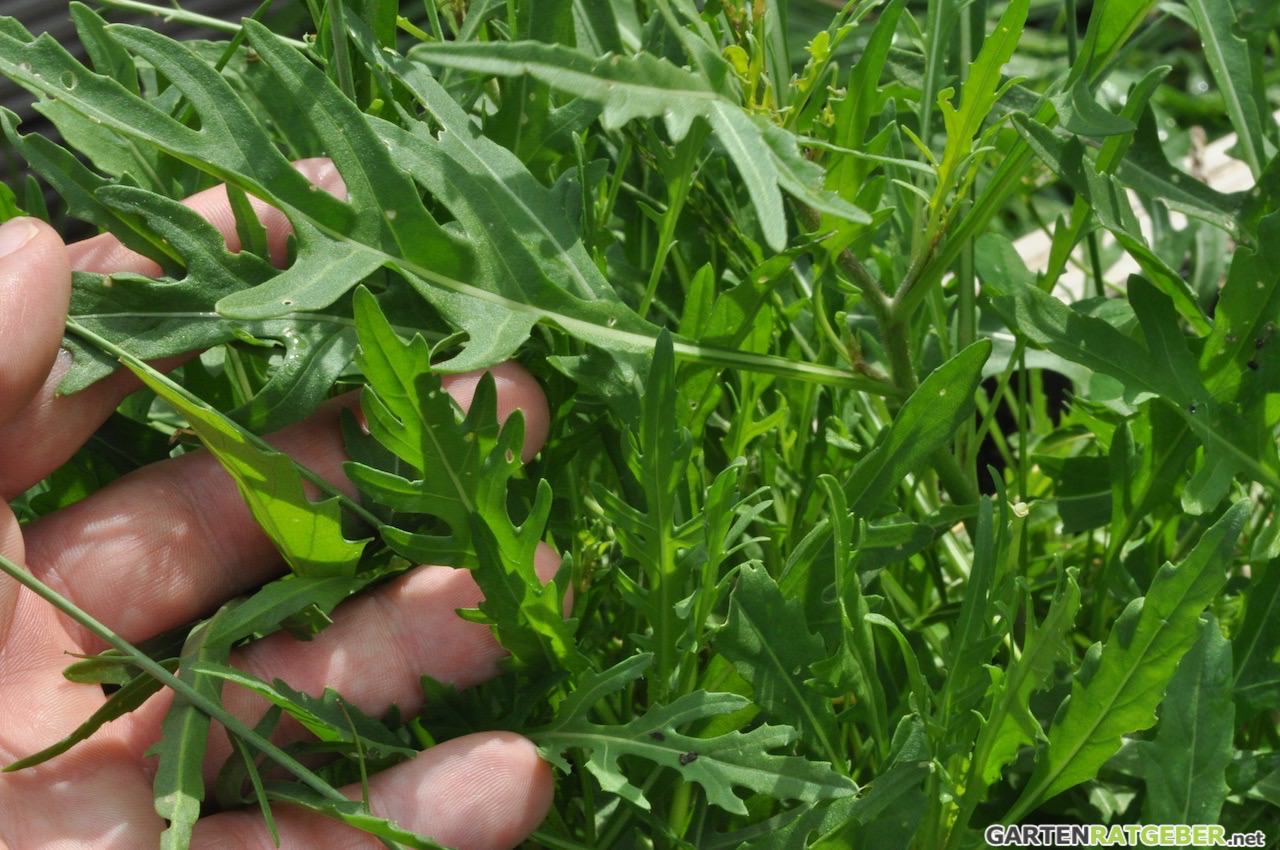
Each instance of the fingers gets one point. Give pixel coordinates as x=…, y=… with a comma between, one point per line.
x=41, y=434
x=521, y=392
x=170, y=542
x=105, y=254
x=35, y=287
x=485, y=791
x=382, y=643
x=50, y=428
x=375, y=654
x=378, y=649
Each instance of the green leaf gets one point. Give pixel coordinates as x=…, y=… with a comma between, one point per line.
x=891, y=811
x=1166, y=342
x=179, y=780
x=718, y=764
x=531, y=212
x=1144, y=167
x=895, y=791
x=1108, y=200
x=129, y=696
x=854, y=662
x=1082, y=492
x=109, y=58
x=465, y=467
x=975, y=633
x=1185, y=766
x=978, y=94
x=927, y=422
x=276, y=602
x=308, y=534
x=659, y=455
x=1110, y=25
x=1256, y=644
x=1247, y=306
x=775, y=663
x=328, y=717
x=1097, y=345
x=163, y=318
x=8, y=204
x=646, y=86
x=1080, y=113
x=1230, y=61
x=352, y=813
x=793, y=829
x=1010, y=724
x=1231, y=447
x=338, y=244
x=418, y=421
x=1118, y=693
x=78, y=186
x=1136, y=100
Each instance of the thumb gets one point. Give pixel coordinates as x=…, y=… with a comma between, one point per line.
x=35, y=289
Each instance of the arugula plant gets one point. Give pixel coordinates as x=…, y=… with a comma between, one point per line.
x=875, y=536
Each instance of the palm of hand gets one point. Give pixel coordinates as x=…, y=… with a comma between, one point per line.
x=166, y=545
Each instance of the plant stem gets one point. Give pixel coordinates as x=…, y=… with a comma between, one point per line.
x=172, y=13
x=156, y=670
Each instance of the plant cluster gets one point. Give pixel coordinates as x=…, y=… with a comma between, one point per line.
x=874, y=535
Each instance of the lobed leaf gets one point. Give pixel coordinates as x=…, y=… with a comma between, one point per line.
x=1256, y=644
x=718, y=764
x=646, y=86
x=775, y=662
x=465, y=468
x=1230, y=61
x=1125, y=679
x=184, y=735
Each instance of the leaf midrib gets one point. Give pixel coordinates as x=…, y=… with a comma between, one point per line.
x=791, y=685
x=625, y=340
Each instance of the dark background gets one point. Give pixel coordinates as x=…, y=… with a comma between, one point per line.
x=51, y=16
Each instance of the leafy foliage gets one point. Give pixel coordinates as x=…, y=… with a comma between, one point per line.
x=308, y=534
x=718, y=764
x=873, y=531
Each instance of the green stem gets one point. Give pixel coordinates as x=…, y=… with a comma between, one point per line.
x=872, y=293
x=157, y=671
x=171, y=13
x=784, y=368
x=897, y=343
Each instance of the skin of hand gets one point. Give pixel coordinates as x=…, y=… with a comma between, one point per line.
x=167, y=544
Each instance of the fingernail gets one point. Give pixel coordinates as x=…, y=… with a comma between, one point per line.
x=15, y=233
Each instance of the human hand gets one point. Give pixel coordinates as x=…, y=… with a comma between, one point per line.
x=169, y=543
